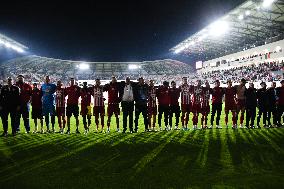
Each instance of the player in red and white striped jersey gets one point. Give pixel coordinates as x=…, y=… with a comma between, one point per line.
x=152, y=105
x=60, y=95
x=185, y=103
x=99, y=105
x=196, y=102
x=205, y=106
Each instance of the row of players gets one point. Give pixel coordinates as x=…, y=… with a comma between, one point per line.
x=49, y=101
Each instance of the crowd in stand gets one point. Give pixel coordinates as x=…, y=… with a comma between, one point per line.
x=34, y=71
x=260, y=72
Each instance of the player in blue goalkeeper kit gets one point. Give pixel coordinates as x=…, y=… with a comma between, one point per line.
x=48, y=103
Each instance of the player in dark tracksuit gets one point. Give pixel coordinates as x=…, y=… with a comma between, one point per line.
x=174, y=94
x=10, y=104
x=251, y=103
x=262, y=103
x=217, y=96
x=272, y=108
x=140, y=94
x=25, y=95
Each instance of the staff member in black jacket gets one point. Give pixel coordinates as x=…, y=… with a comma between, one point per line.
x=272, y=107
x=262, y=102
x=141, y=98
x=127, y=103
x=251, y=103
x=10, y=104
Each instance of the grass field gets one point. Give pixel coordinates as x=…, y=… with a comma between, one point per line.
x=223, y=158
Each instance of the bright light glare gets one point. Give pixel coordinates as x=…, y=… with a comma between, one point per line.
x=84, y=66
x=9, y=45
x=179, y=50
x=133, y=66
x=267, y=3
x=241, y=17
x=278, y=49
x=247, y=13
x=218, y=28
x=18, y=49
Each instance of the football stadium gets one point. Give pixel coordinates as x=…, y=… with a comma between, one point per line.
x=208, y=114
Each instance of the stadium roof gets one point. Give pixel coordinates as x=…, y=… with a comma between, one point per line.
x=10, y=43
x=253, y=23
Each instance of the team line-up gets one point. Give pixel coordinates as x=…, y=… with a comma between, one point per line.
x=135, y=98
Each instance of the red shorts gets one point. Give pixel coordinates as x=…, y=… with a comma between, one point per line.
x=241, y=104
x=113, y=109
x=185, y=108
x=60, y=111
x=152, y=110
x=230, y=106
x=196, y=108
x=99, y=110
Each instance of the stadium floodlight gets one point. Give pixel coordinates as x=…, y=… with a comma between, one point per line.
x=241, y=17
x=218, y=28
x=18, y=49
x=247, y=13
x=179, y=50
x=267, y=3
x=133, y=67
x=10, y=46
x=84, y=66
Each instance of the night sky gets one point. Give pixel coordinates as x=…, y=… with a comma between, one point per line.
x=108, y=30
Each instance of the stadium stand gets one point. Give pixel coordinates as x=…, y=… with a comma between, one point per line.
x=34, y=68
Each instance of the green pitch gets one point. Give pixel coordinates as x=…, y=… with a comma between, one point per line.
x=214, y=158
